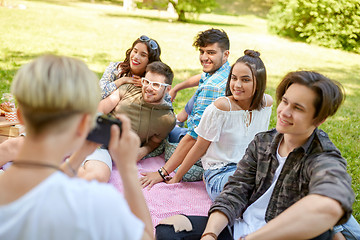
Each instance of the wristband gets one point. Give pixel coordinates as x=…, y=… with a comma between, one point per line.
x=167, y=174
x=210, y=234
x=161, y=174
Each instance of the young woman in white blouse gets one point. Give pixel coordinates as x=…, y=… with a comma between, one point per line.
x=230, y=123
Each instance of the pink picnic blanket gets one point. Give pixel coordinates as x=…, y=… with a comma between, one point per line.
x=165, y=200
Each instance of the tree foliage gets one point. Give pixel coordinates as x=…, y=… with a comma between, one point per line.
x=330, y=23
x=244, y=7
x=192, y=6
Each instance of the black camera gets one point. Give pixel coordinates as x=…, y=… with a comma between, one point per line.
x=101, y=132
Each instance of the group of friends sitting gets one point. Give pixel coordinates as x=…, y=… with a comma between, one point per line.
x=289, y=182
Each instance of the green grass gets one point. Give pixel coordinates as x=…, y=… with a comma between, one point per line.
x=101, y=32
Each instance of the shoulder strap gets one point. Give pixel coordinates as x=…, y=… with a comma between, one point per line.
x=229, y=102
x=265, y=100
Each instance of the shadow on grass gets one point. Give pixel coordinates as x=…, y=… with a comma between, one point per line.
x=14, y=57
x=69, y=3
x=13, y=60
x=54, y=2
x=159, y=19
x=243, y=7
x=112, y=2
x=348, y=75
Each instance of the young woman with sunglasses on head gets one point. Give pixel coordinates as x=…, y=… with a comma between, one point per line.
x=143, y=51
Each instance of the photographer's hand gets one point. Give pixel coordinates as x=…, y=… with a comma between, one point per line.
x=73, y=163
x=124, y=149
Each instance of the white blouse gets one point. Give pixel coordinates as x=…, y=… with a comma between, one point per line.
x=229, y=133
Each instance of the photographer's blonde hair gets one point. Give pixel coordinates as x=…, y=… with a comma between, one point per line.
x=52, y=89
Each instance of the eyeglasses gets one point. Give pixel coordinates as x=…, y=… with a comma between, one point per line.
x=152, y=43
x=155, y=85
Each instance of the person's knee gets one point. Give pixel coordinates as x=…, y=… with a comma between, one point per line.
x=180, y=223
x=164, y=232
x=95, y=170
x=168, y=227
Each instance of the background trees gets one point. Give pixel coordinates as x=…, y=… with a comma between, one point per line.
x=192, y=6
x=330, y=23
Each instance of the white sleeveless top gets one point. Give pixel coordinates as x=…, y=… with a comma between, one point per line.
x=229, y=133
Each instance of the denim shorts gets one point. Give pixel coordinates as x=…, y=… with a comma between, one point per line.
x=215, y=179
x=350, y=229
x=189, y=105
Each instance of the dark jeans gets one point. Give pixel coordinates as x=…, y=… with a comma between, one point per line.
x=198, y=225
x=166, y=232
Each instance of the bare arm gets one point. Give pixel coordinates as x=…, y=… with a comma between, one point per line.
x=9, y=149
x=151, y=178
x=269, y=100
x=216, y=223
x=147, y=148
x=109, y=103
x=306, y=219
x=73, y=163
x=124, y=152
x=196, y=152
x=180, y=153
x=190, y=82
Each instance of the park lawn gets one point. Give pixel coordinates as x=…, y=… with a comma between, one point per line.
x=99, y=33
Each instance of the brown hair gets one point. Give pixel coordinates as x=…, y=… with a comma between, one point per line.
x=330, y=94
x=253, y=61
x=162, y=69
x=154, y=55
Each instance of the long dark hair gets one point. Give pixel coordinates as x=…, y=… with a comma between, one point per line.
x=253, y=61
x=154, y=55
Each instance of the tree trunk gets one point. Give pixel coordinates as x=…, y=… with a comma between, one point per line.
x=180, y=12
x=181, y=17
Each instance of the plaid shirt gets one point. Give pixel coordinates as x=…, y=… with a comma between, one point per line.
x=107, y=84
x=314, y=168
x=210, y=88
